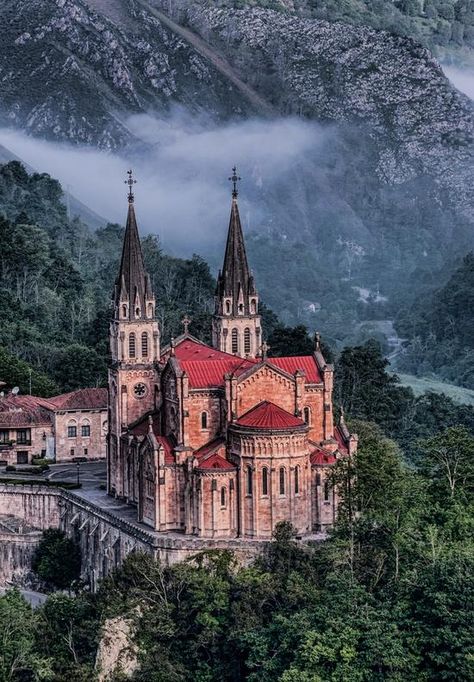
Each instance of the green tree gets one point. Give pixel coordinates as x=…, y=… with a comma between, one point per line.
x=19, y=660
x=57, y=560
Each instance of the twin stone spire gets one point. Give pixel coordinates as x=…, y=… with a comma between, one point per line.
x=236, y=323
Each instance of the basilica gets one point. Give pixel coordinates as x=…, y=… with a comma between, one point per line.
x=217, y=441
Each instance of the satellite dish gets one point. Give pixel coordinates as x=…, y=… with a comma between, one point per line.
x=15, y=390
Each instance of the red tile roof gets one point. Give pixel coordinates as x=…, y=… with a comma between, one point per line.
x=215, y=461
x=82, y=399
x=25, y=410
x=206, y=367
x=267, y=415
x=320, y=457
x=212, y=456
x=301, y=362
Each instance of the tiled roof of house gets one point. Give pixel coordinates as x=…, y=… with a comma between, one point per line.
x=82, y=399
x=267, y=415
x=206, y=367
x=25, y=410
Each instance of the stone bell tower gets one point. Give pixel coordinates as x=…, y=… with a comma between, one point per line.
x=134, y=346
x=236, y=326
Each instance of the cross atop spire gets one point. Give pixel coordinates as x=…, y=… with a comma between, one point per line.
x=130, y=182
x=234, y=179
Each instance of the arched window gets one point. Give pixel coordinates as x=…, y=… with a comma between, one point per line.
x=249, y=481
x=150, y=310
x=223, y=497
x=265, y=481
x=86, y=428
x=72, y=429
x=204, y=420
x=145, y=345
x=247, y=344
x=307, y=415
x=241, y=308
x=227, y=307
x=131, y=345
x=124, y=311
x=235, y=341
x=326, y=491
x=282, y=481
x=137, y=312
x=253, y=306
x=297, y=480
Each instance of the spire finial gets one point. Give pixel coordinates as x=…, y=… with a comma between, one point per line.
x=186, y=321
x=130, y=182
x=234, y=179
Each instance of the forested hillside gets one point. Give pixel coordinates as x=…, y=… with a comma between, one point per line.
x=440, y=329
x=56, y=280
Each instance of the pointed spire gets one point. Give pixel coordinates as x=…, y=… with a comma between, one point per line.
x=133, y=284
x=235, y=279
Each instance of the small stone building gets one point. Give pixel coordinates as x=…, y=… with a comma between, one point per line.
x=63, y=428
x=80, y=424
x=26, y=428
x=217, y=441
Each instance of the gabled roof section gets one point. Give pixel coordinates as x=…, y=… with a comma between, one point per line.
x=321, y=457
x=132, y=284
x=212, y=456
x=304, y=363
x=206, y=367
x=82, y=399
x=235, y=279
x=267, y=415
x=341, y=440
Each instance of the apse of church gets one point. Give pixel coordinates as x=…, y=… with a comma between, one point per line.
x=217, y=441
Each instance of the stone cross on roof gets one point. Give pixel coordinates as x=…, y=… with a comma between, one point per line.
x=186, y=321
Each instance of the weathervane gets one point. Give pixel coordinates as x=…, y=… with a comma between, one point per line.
x=130, y=182
x=234, y=179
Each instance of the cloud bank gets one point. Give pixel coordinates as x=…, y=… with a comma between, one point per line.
x=462, y=79
x=182, y=168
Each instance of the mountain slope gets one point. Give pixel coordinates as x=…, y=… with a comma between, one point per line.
x=383, y=199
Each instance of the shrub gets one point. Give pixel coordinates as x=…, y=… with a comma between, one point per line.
x=57, y=560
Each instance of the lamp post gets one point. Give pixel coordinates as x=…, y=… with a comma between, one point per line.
x=78, y=473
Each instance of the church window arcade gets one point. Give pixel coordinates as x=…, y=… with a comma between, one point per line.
x=264, y=481
x=223, y=497
x=326, y=491
x=307, y=415
x=204, y=421
x=297, y=480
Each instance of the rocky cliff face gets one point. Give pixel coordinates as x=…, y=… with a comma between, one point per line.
x=390, y=188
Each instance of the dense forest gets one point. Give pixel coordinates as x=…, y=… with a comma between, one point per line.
x=388, y=596
x=440, y=330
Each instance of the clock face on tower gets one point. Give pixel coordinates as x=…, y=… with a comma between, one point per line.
x=140, y=390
